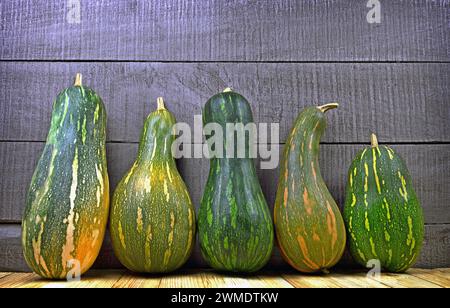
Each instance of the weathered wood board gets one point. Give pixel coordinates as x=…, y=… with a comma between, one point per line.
x=401, y=102
x=217, y=30
x=389, y=77
x=428, y=166
x=436, y=251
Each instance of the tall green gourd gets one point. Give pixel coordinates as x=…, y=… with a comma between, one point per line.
x=152, y=217
x=383, y=216
x=234, y=223
x=68, y=200
x=309, y=225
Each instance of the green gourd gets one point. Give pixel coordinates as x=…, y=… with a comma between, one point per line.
x=68, y=201
x=309, y=226
x=383, y=216
x=152, y=217
x=234, y=222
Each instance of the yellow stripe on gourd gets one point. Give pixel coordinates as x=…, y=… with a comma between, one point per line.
x=130, y=173
x=372, y=245
x=168, y=252
x=155, y=145
x=83, y=93
x=190, y=218
x=169, y=172
x=403, y=191
x=361, y=255
x=166, y=191
x=350, y=226
x=353, y=200
x=69, y=247
x=363, y=153
x=366, y=178
x=148, y=241
x=121, y=236
x=387, y=236
x=410, y=241
x=366, y=221
x=378, y=150
x=96, y=114
x=377, y=180
x=390, y=153
x=388, y=211
x=101, y=187
x=139, y=220
x=83, y=131
x=37, y=248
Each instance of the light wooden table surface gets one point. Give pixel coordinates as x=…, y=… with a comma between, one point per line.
x=414, y=278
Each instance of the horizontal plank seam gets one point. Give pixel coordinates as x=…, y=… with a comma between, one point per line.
x=323, y=143
x=18, y=223
x=223, y=61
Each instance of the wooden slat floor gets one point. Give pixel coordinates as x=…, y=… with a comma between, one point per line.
x=414, y=278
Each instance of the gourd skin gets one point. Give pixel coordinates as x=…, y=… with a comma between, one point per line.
x=68, y=200
x=309, y=226
x=152, y=217
x=234, y=222
x=382, y=213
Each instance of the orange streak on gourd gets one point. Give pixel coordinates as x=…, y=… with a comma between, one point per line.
x=305, y=252
x=316, y=237
x=331, y=222
x=307, y=202
x=314, y=171
x=286, y=195
x=84, y=250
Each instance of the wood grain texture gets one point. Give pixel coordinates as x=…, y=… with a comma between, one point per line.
x=129, y=280
x=208, y=279
x=216, y=30
x=403, y=103
x=428, y=165
x=435, y=276
x=338, y=279
x=405, y=281
x=435, y=253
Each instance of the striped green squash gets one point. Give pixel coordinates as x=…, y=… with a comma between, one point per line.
x=383, y=216
x=68, y=200
x=309, y=226
x=234, y=222
x=152, y=217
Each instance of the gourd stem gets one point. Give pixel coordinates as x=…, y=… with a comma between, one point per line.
x=374, y=141
x=327, y=107
x=79, y=80
x=161, y=105
x=227, y=90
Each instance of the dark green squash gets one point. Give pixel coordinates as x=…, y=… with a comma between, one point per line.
x=234, y=223
x=68, y=200
x=152, y=217
x=308, y=223
x=383, y=216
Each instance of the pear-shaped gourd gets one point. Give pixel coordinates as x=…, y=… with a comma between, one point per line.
x=68, y=200
x=235, y=226
x=309, y=226
x=383, y=216
x=152, y=217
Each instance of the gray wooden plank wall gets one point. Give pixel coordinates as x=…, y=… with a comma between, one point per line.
x=390, y=78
